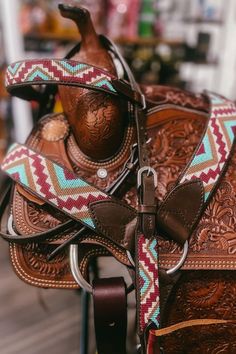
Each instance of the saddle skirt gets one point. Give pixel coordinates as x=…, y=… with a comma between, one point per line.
x=173, y=132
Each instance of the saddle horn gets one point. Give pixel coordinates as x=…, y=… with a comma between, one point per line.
x=99, y=130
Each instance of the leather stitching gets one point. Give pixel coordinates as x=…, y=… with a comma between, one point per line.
x=107, y=243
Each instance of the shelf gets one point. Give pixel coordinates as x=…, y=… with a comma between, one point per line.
x=202, y=62
x=148, y=41
x=139, y=41
x=50, y=36
x=203, y=21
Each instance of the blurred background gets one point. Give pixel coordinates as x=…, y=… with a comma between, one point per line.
x=188, y=44
x=185, y=43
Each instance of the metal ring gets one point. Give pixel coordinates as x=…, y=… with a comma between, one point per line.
x=130, y=258
x=171, y=271
x=74, y=266
x=74, y=261
x=10, y=226
x=143, y=100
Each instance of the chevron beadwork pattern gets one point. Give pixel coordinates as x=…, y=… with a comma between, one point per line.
x=55, y=184
x=213, y=152
x=62, y=71
x=148, y=283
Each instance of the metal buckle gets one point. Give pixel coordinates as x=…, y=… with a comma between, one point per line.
x=149, y=170
x=174, y=269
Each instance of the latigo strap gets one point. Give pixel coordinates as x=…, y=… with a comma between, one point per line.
x=110, y=315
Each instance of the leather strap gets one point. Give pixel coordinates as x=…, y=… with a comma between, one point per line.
x=146, y=264
x=110, y=315
x=54, y=184
x=190, y=323
x=148, y=206
x=66, y=191
x=110, y=45
x=147, y=284
x=67, y=226
x=22, y=75
x=153, y=346
x=70, y=225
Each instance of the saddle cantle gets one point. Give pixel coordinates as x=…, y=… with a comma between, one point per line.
x=186, y=140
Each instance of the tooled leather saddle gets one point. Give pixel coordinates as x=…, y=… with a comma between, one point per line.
x=145, y=174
